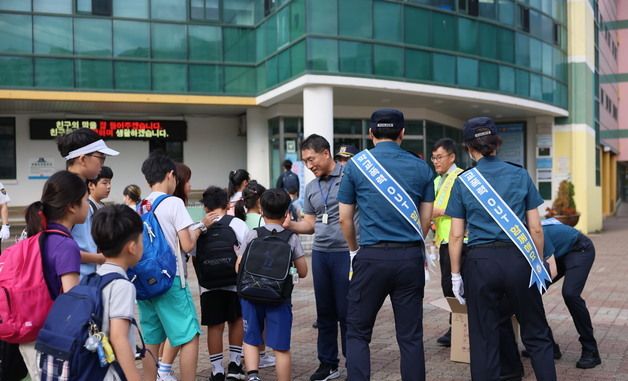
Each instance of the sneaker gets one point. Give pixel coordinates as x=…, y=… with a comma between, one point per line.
x=235, y=372
x=166, y=377
x=589, y=360
x=266, y=361
x=217, y=377
x=445, y=340
x=253, y=377
x=325, y=372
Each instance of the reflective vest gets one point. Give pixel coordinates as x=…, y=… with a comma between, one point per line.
x=443, y=223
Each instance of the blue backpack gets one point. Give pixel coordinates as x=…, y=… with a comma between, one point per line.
x=61, y=342
x=154, y=274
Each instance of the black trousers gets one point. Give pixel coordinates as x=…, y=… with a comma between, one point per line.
x=378, y=273
x=490, y=275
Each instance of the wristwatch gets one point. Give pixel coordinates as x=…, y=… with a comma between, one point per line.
x=202, y=227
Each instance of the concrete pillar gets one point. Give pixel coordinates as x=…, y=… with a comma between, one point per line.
x=318, y=116
x=257, y=151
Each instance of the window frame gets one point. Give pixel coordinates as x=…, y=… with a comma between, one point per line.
x=10, y=122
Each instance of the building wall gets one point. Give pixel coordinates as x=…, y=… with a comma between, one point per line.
x=621, y=27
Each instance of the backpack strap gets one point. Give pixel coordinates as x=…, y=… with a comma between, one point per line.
x=225, y=220
x=57, y=231
x=284, y=235
x=92, y=206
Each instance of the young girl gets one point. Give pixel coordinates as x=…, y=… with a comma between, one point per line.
x=132, y=196
x=63, y=204
x=251, y=195
x=238, y=181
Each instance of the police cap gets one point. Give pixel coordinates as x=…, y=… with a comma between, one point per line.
x=478, y=127
x=346, y=151
x=387, y=118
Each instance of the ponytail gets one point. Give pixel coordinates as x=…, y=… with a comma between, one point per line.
x=35, y=219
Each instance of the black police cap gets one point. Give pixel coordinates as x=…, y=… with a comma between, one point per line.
x=478, y=127
x=387, y=118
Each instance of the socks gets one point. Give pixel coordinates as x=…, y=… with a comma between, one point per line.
x=216, y=360
x=164, y=368
x=235, y=354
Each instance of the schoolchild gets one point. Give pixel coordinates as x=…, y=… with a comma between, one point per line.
x=5, y=232
x=497, y=265
x=221, y=305
x=171, y=315
x=99, y=188
x=132, y=196
x=63, y=204
x=275, y=321
x=117, y=231
x=85, y=153
x=251, y=195
x=238, y=181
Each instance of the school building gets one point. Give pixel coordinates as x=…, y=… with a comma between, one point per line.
x=227, y=84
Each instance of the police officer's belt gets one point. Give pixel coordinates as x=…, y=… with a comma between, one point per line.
x=396, y=245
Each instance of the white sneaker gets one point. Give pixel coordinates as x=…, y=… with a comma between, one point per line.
x=266, y=361
x=166, y=377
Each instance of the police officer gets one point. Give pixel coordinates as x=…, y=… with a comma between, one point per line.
x=444, y=160
x=393, y=191
x=345, y=153
x=495, y=267
x=5, y=232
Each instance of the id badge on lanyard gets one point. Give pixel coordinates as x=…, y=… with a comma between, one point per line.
x=325, y=198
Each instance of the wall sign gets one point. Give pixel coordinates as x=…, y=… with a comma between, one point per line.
x=41, y=168
x=513, y=143
x=172, y=130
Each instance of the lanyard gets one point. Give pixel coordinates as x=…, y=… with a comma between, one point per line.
x=324, y=196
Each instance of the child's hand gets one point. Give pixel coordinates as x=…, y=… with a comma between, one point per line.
x=210, y=218
x=286, y=222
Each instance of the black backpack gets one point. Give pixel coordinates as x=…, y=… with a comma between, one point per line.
x=264, y=272
x=215, y=255
x=290, y=180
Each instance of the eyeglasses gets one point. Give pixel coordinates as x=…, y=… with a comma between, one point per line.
x=99, y=157
x=439, y=158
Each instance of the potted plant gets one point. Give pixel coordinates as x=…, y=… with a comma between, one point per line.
x=564, y=207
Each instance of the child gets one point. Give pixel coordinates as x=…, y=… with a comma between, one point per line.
x=296, y=204
x=221, y=304
x=251, y=196
x=85, y=153
x=99, y=188
x=132, y=196
x=63, y=204
x=117, y=231
x=274, y=320
x=171, y=315
x=238, y=180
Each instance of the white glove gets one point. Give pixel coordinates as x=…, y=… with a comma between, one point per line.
x=457, y=286
x=5, y=233
x=352, y=254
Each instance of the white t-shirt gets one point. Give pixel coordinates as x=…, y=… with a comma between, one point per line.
x=118, y=300
x=173, y=217
x=4, y=196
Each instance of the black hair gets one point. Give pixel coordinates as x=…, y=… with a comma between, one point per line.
x=252, y=194
x=236, y=178
x=75, y=140
x=486, y=145
x=183, y=174
x=156, y=167
x=61, y=190
x=113, y=226
x=215, y=198
x=292, y=190
x=287, y=164
x=446, y=143
x=105, y=173
x=275, y=203
x=391, y=133
x=134, y=192
x=316, y=143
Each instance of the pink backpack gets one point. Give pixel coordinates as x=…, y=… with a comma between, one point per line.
x=24, y=296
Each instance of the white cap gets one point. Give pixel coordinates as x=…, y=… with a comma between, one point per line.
x=97, y=146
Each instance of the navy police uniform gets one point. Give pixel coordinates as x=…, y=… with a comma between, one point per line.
x=391, y=257
x=495, y=271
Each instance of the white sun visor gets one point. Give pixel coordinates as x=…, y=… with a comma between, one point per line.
x=97, y=146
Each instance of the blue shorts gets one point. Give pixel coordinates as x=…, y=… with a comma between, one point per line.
x=272, y=322
x=170, y=315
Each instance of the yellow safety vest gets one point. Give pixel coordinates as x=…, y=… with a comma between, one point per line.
x=443, y=223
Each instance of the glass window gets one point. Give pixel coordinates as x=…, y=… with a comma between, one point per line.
x=548, y=59
x=385, y=30
x=522, y=49
x=170, y=77
x=172, y=149
x=535, y=23
x=507, y=12
x=506, y=45
x=205, y=10
x=536, y=54
x=487, y=9
x=506, y=79
x=468, y=72
x=418, y=65
x=93, y=37
x=239, y=12
x=239, y=44
x=169, y=9
x=52, y=6
x=355, y=57
x=536, y=90
x=488, y=38
x=283, y=66
x=205, y=78
x=94, y=7
x=94, y=74
x=169, y=41
x=549, y=87
x=468, y=36
x=444, y=68
x=16, y=71
x=84, y=6
x=522, y=82
x=418, y=28
x=205, y=43
x=17, y=33
x=239, y=79
x=53, y=35
x=271, y=72
x=322, y=16
x=15, y=5
x=322, y=55
x=388, y=61
x=261, y=77
x=125, y=8
x=283, y=27
x=131, y=39
x=132, y=75
x=7, y=149
x=559, y=65
x=547, y=28
x=297, y=58
x=297, y=19
x=54, y=73
x=349, y=24
x=489, y=75
x=444, y=31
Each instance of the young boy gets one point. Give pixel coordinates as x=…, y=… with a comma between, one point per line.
x=117, y=230
x=221, y=305
x=274, y=320
x=99, y=188
x=171, y=315
x=85, y=153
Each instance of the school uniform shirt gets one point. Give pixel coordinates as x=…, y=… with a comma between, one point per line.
x=60, y=256
x=118, y=301
x=511, y=182
x=558, y=240
x=82, y=234
x=4, y=196
x=379, y=221
x=254, y=220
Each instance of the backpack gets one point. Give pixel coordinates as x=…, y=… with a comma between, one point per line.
x=154, y=274
x=289, y=180
x=73, y=317
x=24, y=295
x=264, y=272
x=215, y=255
